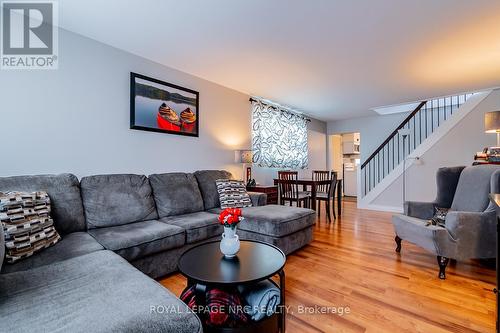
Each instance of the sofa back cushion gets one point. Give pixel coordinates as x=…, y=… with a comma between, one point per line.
x=111, y=200
x=64, y=194
x=206, y=181
x=176, y=193
x=473, y=188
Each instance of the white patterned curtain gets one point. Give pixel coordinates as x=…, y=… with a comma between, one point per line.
x=279, y=137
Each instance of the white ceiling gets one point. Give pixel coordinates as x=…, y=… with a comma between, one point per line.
x=330, y=59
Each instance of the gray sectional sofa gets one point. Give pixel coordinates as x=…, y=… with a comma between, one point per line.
x=111, y=223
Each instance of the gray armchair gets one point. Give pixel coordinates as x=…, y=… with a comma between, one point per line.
x=470, y=225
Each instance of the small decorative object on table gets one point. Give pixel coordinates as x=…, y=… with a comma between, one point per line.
x=494, y=154
x=230, y=243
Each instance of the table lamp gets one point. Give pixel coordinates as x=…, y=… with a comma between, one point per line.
x=245, y=157
x=492, y=124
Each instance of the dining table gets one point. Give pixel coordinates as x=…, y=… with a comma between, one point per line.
x=313, y=185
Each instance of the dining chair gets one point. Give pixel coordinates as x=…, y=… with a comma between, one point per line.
x=328, y=197
x=319, y=175
x=289, y=189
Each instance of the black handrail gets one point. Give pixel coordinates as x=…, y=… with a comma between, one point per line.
x=393, y=134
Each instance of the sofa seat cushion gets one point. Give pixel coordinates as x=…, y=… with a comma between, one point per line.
x=275, y=220
x=199, y=226
x=70, y=246
x=176, y=193
x=97, y=292
x=111, y=200
x=136, y=240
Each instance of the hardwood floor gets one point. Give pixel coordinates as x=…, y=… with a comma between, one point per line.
x=352, y=263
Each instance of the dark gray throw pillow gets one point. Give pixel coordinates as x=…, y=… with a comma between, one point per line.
x=232, y=194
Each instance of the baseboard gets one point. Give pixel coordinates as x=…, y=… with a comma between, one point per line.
x=380, y=208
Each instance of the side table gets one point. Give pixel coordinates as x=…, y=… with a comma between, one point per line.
x=270, y=190
x=205, y=266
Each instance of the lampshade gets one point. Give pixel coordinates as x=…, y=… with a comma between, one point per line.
x=492, y=122
x=243, y=156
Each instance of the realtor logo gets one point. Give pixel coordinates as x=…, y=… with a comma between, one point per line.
x=29, y=35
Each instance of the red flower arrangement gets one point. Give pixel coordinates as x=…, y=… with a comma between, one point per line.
x=230, y=217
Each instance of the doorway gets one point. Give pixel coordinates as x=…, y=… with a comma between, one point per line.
x=345, y=160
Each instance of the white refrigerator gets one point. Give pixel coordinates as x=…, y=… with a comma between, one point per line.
x=350, y=179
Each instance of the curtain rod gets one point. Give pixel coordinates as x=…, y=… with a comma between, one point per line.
x=275, y=107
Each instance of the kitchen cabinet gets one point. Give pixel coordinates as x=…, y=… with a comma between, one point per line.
x=350, y=143
x=351, y=137
x=350, y=147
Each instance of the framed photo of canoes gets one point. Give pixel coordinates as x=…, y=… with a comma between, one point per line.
x=163, y=107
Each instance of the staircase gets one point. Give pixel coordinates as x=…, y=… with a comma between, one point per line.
x=412, y=132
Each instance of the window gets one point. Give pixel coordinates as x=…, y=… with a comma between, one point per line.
x=279, y=137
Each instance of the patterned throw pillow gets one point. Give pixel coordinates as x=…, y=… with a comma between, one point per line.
x=439, y=217
x=232, y=194
x=27, y=225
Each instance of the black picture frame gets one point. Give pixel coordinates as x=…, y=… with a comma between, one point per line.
x=194, y=131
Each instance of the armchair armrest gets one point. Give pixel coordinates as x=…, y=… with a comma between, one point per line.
x=482, y=225
x=421, y=210
x=473, y=234
x=258, y=199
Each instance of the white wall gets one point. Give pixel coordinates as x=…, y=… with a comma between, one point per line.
x=318, y=148
x=76, y=119
x=373, y=130
x=456, y=148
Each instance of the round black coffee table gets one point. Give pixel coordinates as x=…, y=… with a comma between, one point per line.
x=204, y=265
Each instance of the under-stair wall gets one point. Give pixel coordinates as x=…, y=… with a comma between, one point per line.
x=456, y=146
x=370, y=138
x=416, y=129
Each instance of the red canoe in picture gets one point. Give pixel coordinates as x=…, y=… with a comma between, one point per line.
x=168, y=119
x=188, y=118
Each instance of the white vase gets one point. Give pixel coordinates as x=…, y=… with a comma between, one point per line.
x=230, y=242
